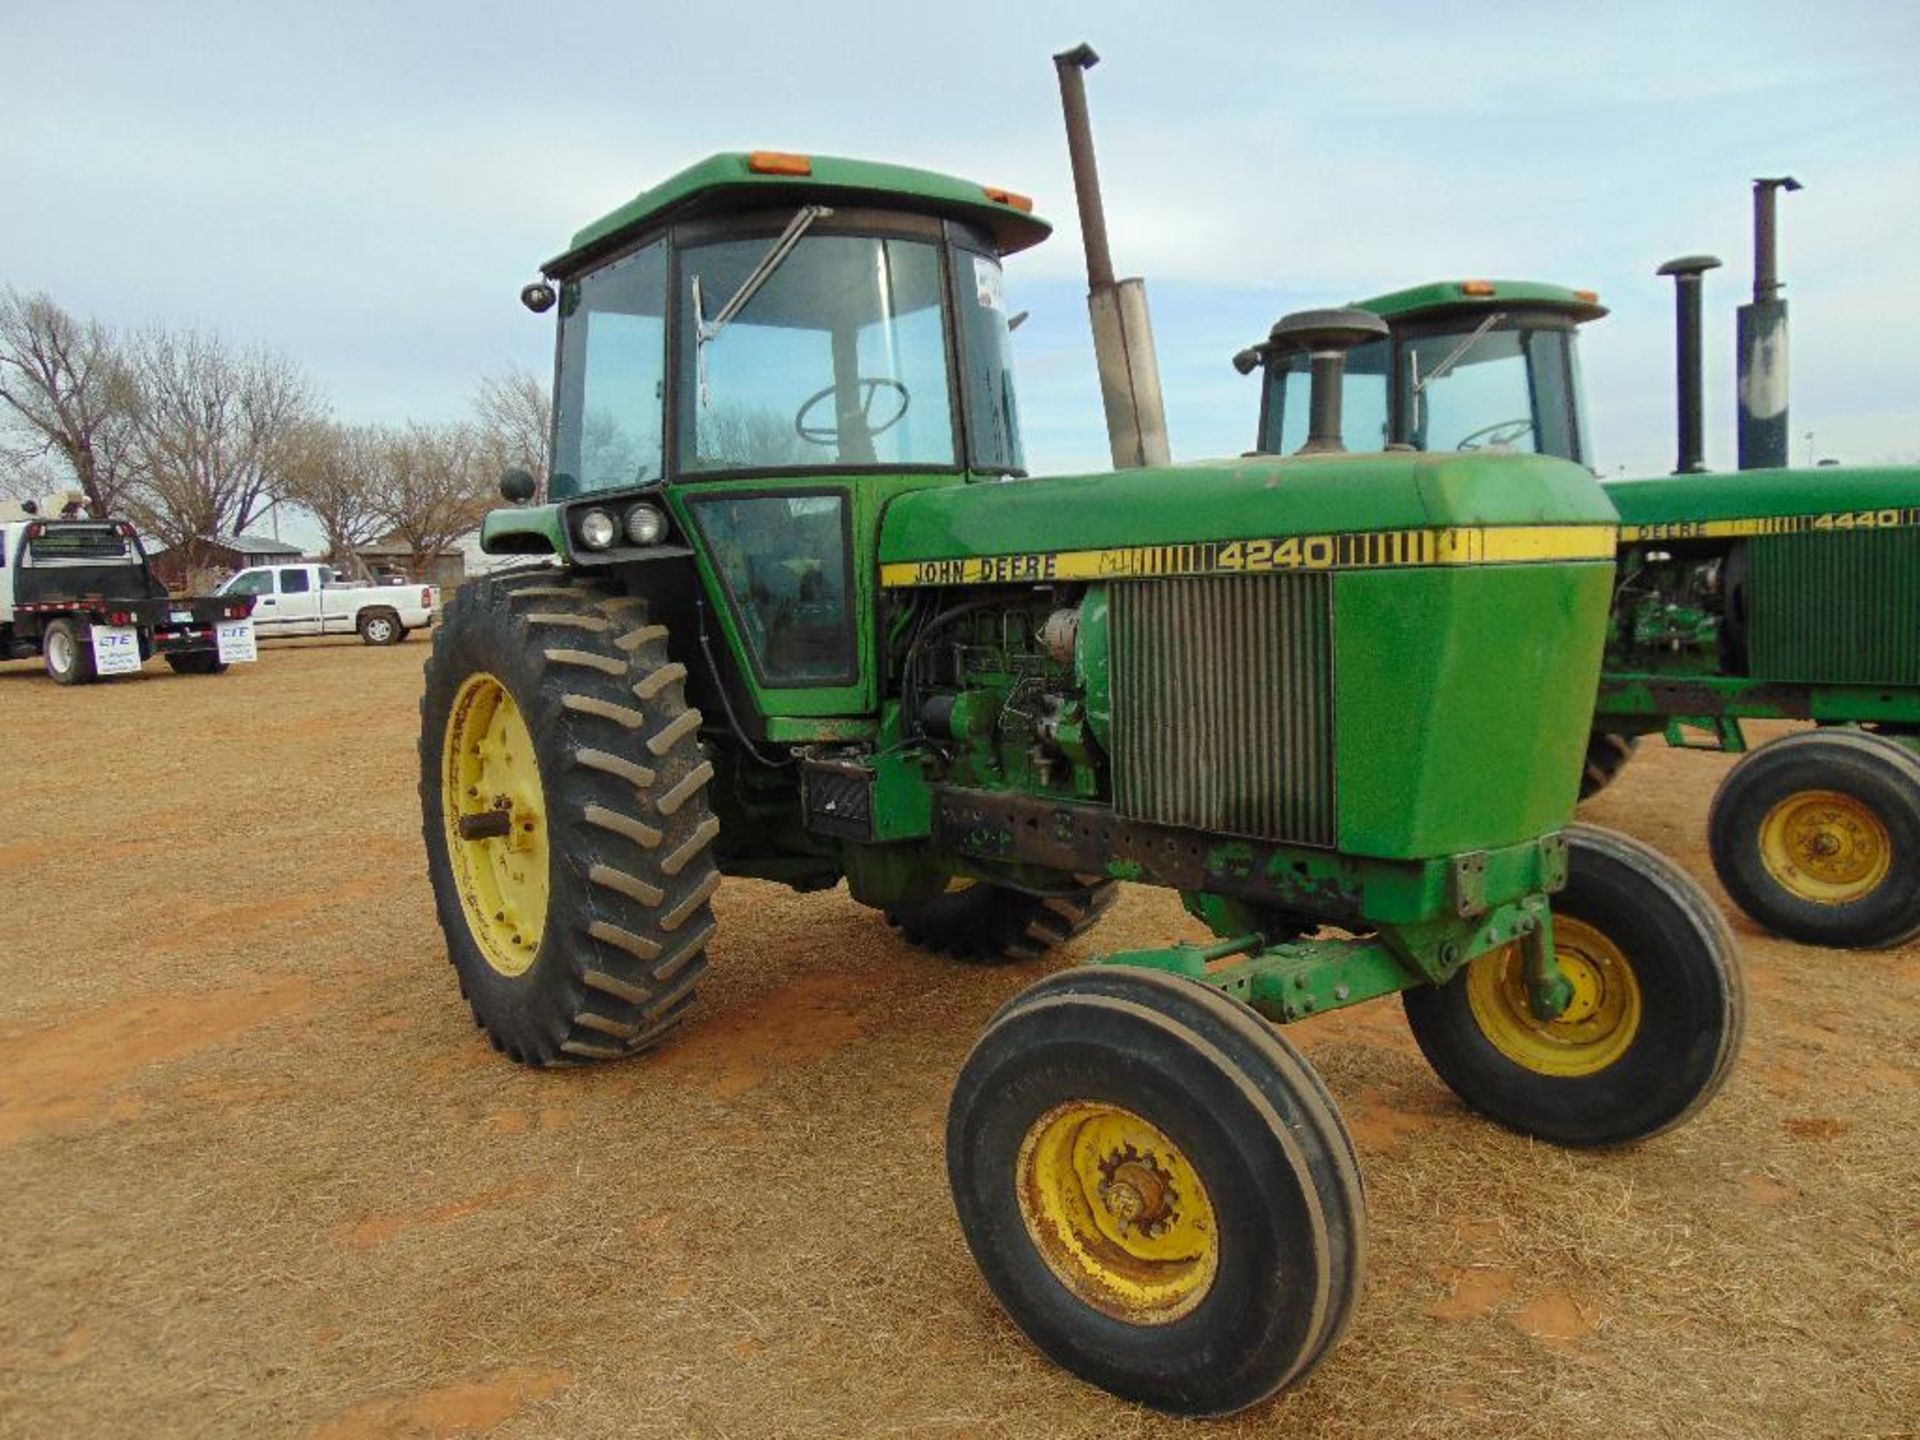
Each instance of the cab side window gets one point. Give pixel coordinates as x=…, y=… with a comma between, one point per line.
x=252, y=582
x=294, y=582
x=784, y=561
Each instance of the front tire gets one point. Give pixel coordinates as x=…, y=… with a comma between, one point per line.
x=1157, y=1189
x=68, y=653
x=990, y=925
x=1817, y=837
x=1655, y=1022
x=577, y=924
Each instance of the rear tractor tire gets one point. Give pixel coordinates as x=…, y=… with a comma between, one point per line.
x=991, y=925
x=197, y=662
x=1157, y=1189
x=1817, y=837
x=1607, y=756
x=1653, y=1027
x=67, y=650
x=563, y=804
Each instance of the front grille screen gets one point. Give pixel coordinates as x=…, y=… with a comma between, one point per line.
x=1223, y=705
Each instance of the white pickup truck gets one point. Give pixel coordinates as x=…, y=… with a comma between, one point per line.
x=313, y=600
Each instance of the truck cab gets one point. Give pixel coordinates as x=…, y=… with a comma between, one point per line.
x=1469, y=365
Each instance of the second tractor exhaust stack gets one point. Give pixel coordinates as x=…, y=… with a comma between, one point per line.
x=1689, y=357
x=1122, y=331
x=1763, y=340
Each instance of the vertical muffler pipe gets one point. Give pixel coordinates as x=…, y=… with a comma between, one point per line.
x=1689, y=357
x=1122, y=330
x=1326, y=336
x=1762, y=340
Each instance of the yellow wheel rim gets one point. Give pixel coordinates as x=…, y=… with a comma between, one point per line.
x=1826, y=847
x=496, y=824
x=1594, y=1030
x=1118, y=1212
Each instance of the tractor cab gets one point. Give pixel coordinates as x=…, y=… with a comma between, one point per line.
x=1469, y=365
x=755, y=356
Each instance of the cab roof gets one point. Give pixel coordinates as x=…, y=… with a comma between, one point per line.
x=738, y=180
x=1471, y=295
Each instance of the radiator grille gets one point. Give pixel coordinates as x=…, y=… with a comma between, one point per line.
x=1839, y=607
x=1223, y=705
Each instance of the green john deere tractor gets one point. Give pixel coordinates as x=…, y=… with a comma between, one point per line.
x=1766, y=593
x=792, y=610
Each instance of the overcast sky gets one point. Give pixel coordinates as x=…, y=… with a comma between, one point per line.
x=366, y=186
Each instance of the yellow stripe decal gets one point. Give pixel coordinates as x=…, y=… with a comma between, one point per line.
x=1349, y=550
x=1899, y=517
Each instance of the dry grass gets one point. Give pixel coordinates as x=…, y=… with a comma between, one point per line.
x=262, y=1176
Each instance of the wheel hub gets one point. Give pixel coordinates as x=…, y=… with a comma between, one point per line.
x=1601, y=1017
x=1826, y=847
x=1118, y=1212
x=493, y=806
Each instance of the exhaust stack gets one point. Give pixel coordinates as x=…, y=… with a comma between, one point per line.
x=1763, y=340
x=1326, y=336
x=1122, y=330
x=1688, y=356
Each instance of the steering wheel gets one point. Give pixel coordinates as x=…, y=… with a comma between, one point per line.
x=1503, y=432
x=868, y=387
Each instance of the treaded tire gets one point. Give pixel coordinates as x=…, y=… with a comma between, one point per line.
x=64, y=638
x=380, y=627
x=1269, y=1147
x=991, y=925
x=1607, y=756
x=1877, y=772
x=629, y=831
x=197, y=662
x=1692, y=1008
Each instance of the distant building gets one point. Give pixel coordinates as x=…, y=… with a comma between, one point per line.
x=389, y=557
x=206, y=560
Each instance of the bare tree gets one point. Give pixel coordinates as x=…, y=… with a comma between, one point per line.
x=337, y=475
x=66, y=391
x=218, y=432
x=514, y=413
x=435, y=488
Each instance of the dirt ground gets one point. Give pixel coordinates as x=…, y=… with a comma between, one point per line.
x=261, y=1175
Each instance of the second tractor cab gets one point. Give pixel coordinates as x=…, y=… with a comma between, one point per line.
x=1760, y=594
x=793, y=611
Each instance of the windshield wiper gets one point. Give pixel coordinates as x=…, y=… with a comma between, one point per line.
x=1458, y=353
x=749, y=287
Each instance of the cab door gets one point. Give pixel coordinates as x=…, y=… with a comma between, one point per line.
x=299, y=607
x=266, y=605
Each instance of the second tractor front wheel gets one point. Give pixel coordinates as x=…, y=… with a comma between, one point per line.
x=1817, y=836
x=1650, y=1033
x=1157, y=1189
x=1607, y=755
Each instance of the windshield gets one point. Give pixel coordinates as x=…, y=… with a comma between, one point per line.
x=1505, y=389
x=839, y=359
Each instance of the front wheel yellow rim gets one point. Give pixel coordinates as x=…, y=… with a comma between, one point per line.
x=494, y=811
x=1825, y=847
x=1598, y=1024
x=1118, y=1212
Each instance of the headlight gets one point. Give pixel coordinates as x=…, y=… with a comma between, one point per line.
x=645, y=525
x=597, y=529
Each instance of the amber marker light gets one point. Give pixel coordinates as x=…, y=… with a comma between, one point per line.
x=779, y=162
x=1476, y=287
x=1592, y=297
x=1009, y=197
